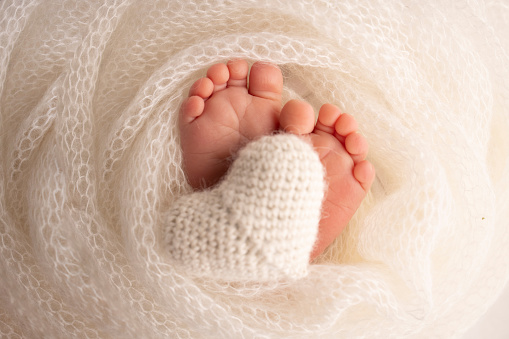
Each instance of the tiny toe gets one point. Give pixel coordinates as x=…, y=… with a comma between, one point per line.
x=346, y=124
x=202, y=87
x=297, y=117
x=357, y=146
x=219, y=75
x=266, y=81
x=238, y=69
x=364, y=172
x=192, y=108
x=327, y=116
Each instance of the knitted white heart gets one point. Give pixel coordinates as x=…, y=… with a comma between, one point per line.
x=260, y=222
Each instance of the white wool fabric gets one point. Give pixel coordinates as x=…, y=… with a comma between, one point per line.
x=90, y=165
x=260, y=223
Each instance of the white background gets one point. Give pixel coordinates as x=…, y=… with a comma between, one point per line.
x=495, y=323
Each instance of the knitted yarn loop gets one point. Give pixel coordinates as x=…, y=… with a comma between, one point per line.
x=90, y=166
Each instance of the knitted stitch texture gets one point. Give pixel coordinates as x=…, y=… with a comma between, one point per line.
x=90, y=165
x=260, y=223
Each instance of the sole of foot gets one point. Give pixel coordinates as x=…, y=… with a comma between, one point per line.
x=229, y=107
x=342, y=151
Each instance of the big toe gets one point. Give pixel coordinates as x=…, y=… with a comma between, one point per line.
x=297, y=117
x=266, y=81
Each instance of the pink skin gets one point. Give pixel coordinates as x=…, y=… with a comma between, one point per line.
x=222, y=114
x=343, y=152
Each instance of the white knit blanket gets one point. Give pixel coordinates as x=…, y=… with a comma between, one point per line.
x=90, y=163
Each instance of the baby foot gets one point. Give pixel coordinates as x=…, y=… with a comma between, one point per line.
x=222, y=114
x=342, y=152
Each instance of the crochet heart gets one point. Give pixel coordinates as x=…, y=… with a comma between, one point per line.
x=259, y=223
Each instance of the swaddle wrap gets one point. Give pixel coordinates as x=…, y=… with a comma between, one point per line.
x=90, y=163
